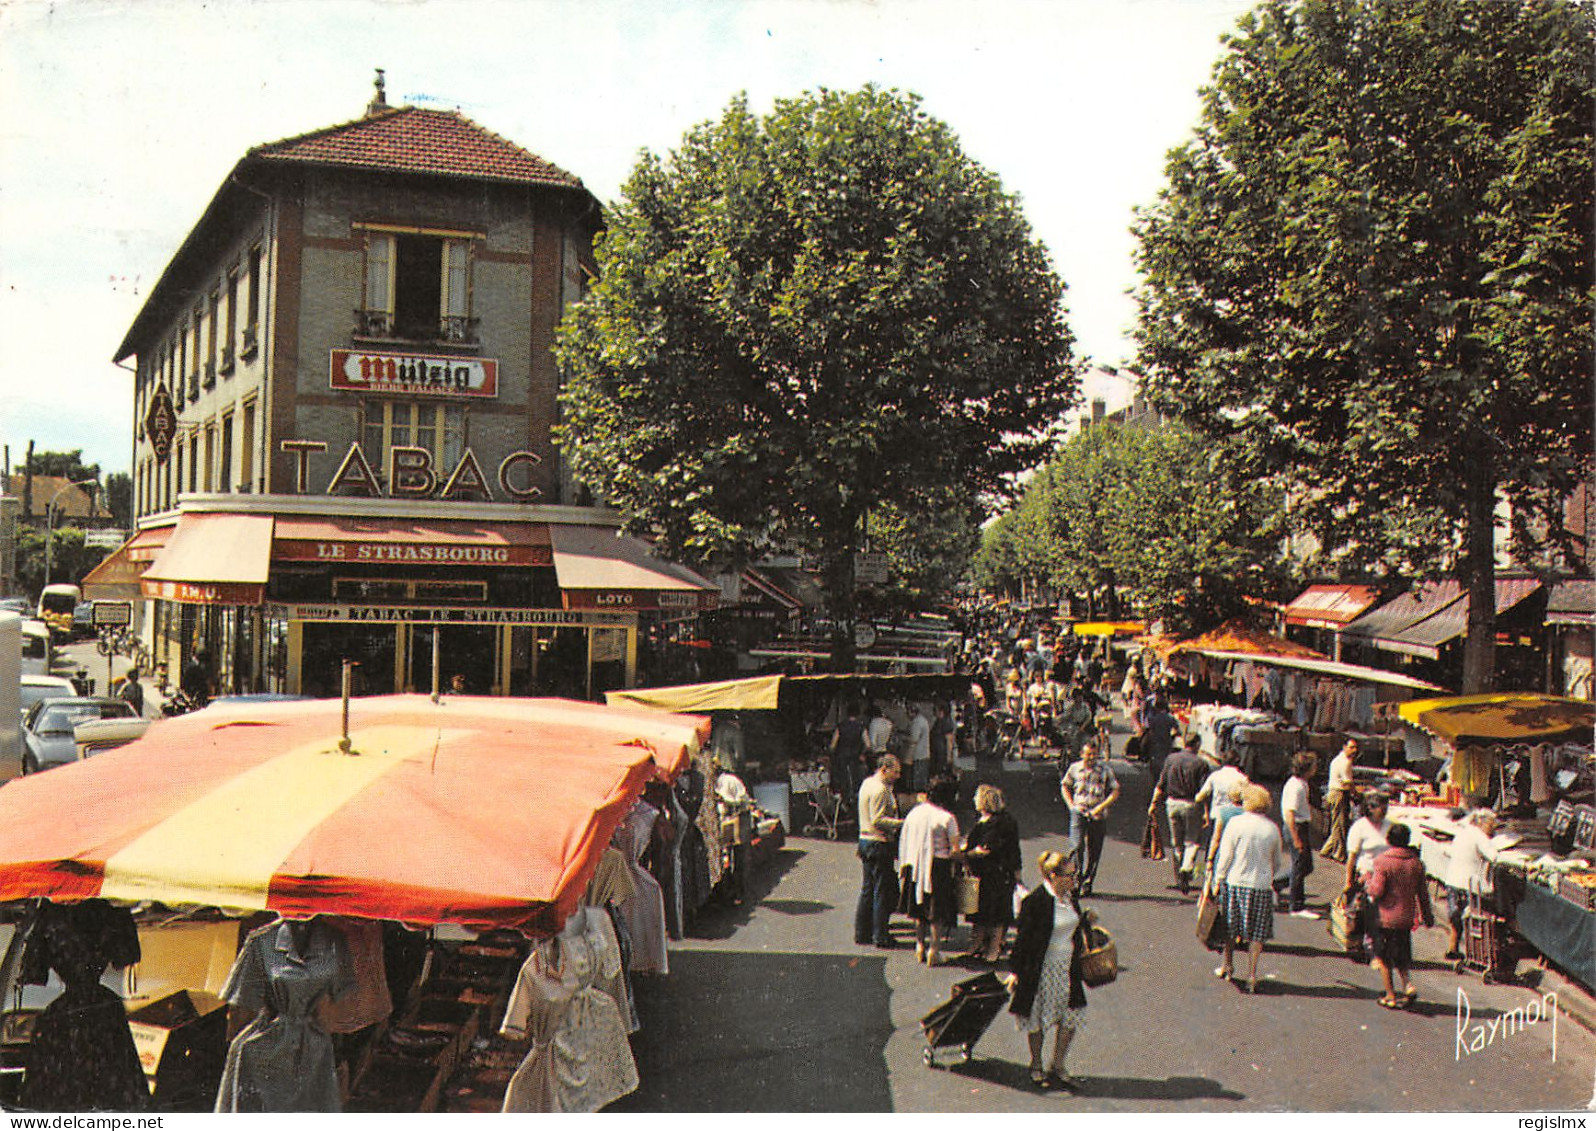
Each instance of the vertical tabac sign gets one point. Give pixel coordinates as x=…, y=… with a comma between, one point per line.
x=160, y=423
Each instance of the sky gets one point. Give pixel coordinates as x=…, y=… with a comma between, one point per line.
x=119, y=120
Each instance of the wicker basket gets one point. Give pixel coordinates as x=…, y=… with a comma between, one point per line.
x=1100, y=960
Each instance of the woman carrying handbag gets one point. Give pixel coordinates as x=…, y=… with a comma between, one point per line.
x=1050, y=941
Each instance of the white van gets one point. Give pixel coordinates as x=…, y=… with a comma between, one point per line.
x=36, y=648
x=56, y=605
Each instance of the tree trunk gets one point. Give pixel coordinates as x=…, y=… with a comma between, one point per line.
x=842, y=596
x=1479, y=582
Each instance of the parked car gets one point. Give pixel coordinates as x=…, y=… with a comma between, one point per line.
x=48, y=740
x=83, y=620
x=19, y=605
x=37, y=687
x=99, y=735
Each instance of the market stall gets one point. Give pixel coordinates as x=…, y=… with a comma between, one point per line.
x=414, y=860
x=775, y=731
x=1529, y=758
x=1271, y=697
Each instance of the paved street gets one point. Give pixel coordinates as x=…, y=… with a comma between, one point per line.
x=775, y=1008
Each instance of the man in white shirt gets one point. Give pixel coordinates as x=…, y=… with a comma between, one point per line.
x=1338, y=796
x=878, y=732
x=1296, y=815
x=916, y=755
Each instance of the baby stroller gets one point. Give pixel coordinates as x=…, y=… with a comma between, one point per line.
x=829, y=812
x=1010, y=735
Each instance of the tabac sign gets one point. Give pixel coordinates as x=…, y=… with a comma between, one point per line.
x=410, y=375
x=160, y=423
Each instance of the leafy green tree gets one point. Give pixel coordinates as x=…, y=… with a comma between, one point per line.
x=1146, y=520
x=69, y=558
x=68, y=465
x=119, y=498
x=928, y=553
x=1370, y=268
x=805, y=316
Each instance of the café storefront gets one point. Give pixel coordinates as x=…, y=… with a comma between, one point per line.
x=277, y=591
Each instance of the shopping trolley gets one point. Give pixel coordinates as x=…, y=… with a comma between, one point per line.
x=962, y=1020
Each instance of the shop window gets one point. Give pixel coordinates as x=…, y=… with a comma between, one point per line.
x=437, y=427
x=417, y=288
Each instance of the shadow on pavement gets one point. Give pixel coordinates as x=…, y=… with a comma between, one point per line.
x=1169, y=1088
x=1174, y=1088
x=797, y=906
x=1274, y=987
x=720, y=920
x=740, y=1032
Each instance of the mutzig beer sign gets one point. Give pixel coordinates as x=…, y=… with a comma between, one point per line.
x=409, y=375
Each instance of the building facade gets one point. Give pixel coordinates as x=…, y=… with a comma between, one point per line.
x=345, y=393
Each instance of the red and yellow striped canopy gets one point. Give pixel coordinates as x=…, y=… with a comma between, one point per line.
x=482, y=812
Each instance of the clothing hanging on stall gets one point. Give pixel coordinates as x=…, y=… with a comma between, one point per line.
x=580, y=1060
x=645, y=911
x=1471, y=770
x=82, y=1056
x=283, y=1060
x=610, y=888
x=370, y=1001
x=701, y=865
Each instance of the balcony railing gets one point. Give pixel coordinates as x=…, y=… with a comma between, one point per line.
x=251, y=343
x=381, y=325
x=210, y=374
x=226, y=367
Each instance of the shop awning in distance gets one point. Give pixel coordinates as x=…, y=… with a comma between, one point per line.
x=482, y=812
x=1572, y=603
x=117, y=577
x=768, y=692
x=600, y=568
x=1382, y=626
x=1110, y=628
x=1504, y=717
x=1442, y=622
x=213, y=559
x=1330, y=606
x=349, y=539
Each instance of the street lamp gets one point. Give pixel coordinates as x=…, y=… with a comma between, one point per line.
x=49, y=522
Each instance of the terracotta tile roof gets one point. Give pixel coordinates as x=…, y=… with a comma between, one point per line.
x=407, y=139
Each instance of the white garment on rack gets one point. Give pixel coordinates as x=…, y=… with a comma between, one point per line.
x=580, y=1060
x=645, y=911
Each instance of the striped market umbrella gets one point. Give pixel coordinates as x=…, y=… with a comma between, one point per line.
x=476, y=811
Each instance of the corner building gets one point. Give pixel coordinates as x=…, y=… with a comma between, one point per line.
x=344, y=397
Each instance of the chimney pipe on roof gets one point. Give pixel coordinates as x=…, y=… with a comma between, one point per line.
x=380, y=102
